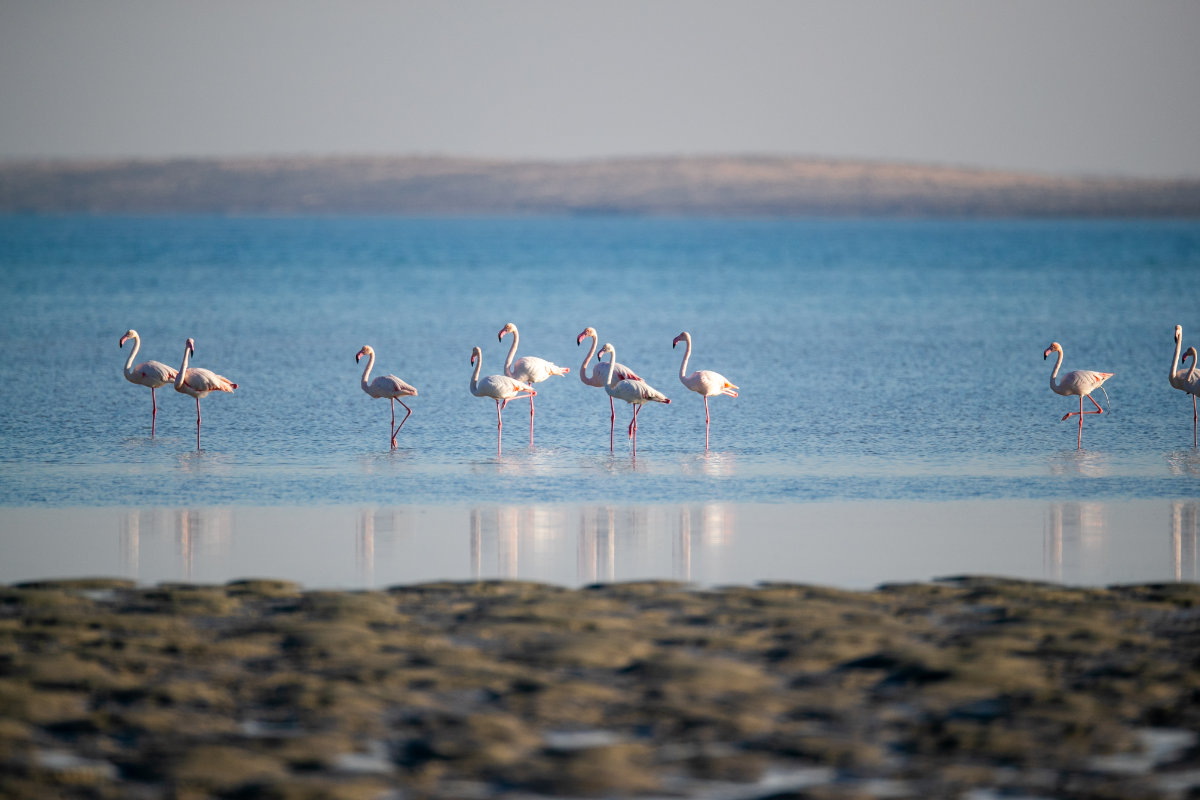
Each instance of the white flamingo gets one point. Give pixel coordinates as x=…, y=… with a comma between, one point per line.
x=600, y=374
x=1080, y=382
x=635, y=392
x=705, y=382
x=1189, y=383
x=148, y=373
x=388, y=386
x=198, y=382
x=528, y=369
x=500, y=388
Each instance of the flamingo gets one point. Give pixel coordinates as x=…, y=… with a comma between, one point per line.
x=199, y=382
x=705, y=382
x=597, y=378
x=148, y=373
x=1188, y=383
x=388, y=386
x=501, y=388
x=1080, y=382
x=636, y=392
x=529, y=369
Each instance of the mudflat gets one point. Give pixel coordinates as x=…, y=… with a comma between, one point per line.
x=965, y=687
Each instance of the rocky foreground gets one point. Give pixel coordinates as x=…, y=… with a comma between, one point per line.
x=972, y=688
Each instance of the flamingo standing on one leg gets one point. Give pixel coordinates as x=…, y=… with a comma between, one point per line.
x=599, y=375
x=388, y=386
x=1187, y=383
x=1080, y=382
x=529, y=369
x=501, y=388
x=199, y=382
x=148, y=373
x=704, y=382
x=636, y=392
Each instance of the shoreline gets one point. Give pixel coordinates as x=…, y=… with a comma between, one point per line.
x=518, y=689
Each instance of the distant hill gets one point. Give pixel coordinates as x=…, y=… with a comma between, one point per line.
x=688, y=186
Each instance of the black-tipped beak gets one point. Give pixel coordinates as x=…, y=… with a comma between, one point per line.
x=357, y=358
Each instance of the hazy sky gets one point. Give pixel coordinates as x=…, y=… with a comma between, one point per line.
x=1070, y=86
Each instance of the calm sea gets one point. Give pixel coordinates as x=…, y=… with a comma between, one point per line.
x=894, y=361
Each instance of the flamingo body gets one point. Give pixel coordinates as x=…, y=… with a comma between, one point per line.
x=704, y=382
x=528, y=369
x=152, y=374
x=635, y=392
x=1080, y=382
x=199, y=383
x=388, y=386
x=500, y=388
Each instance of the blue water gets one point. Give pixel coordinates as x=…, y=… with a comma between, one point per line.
x=897, y=360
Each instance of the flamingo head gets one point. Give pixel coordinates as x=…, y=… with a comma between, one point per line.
x=586, y=333
x=1054, y=347
x=476, y=354
x=508, y=328
x=129, y=334
x=1191, y=353
x=190, y=347
x=1178, y=332
x=608, y=348
x=682, y=337
x=366, y=351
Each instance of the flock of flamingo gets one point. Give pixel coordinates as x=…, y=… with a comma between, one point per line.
x=520, y=374
x=1083, y=382
x=619, y=381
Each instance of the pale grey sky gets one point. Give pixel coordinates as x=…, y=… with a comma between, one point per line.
x=1060, y=86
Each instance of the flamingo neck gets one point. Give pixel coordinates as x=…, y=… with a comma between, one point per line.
x=137, y=343
x=687, y=353
x=512, y=352
x=182, y=374
x=475, y=376
x=583, y=375
x=611, y=378
x=1054, y=374
x=367, y=371
x=1175, y=360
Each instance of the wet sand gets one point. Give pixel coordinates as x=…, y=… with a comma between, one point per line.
x=970, y=687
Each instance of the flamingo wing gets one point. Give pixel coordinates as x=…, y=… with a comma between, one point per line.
x=501, y=387
x=1083, y=381
x=532, y=369
x=709, y=383
x=153, y=374
x=198, y=380
x=624, y=373
x=637, y=392
x=390, y=386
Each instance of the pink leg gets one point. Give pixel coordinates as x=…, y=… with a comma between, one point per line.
x=531, y=420
x=1193, y=420
x=153, y=411
x=1079, y=441
x=401, y=425
x=706, y=422
x=393, y=427
x=197, y=423
x=499, y=425
x=612, y=422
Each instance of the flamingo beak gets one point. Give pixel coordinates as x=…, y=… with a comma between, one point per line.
x=579, y=340
x=358, y=357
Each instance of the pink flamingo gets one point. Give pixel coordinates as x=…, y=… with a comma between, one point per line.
x=199, y=382
x=705, y=382
x=501, y=388
x=1189, y=382
x=388, y=386
x=148, y=373
x=598, y=376
x=636, y=392
x=1080, y=382
x=529, y=369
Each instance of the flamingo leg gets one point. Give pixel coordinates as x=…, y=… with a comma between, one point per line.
x=1194, y=420
x=393, y=428
x=153, y=411
x=406, y=416
x=531, y=420
x=706, y=420
x=612, y=422
x=197, y=423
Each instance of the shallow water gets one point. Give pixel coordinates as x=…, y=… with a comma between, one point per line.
x=876, y=360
